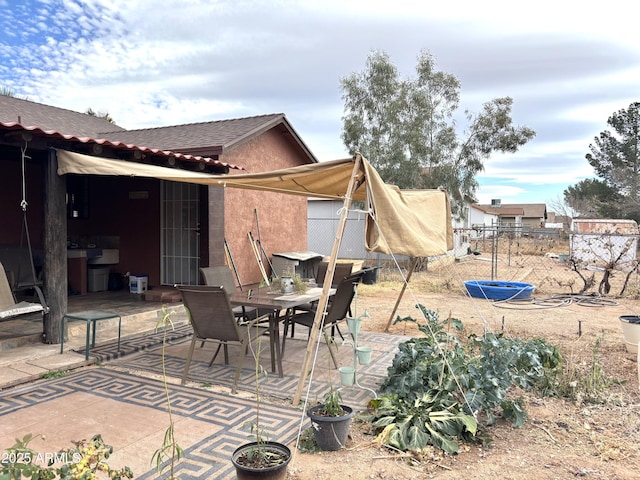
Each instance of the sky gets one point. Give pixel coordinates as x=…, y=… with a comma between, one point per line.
x=567, y=65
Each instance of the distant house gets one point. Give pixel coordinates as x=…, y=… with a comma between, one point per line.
x=561, y=222
x=479, y=216
x=160, y=228
x=521, y=215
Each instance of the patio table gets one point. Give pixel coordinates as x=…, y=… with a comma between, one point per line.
x=264, y=298
x=89, y=316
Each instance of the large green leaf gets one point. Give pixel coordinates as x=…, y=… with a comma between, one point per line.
x=415, y=437
x=512, y=410
x=436, y=384
x=453, y=423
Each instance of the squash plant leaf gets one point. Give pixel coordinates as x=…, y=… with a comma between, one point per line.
x=437, y=385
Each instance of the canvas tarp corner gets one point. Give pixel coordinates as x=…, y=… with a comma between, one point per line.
x=403, y=222
x=407, y=222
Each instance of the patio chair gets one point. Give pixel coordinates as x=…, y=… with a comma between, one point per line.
x=213, y=320
x=340, y=272
x=221, y=275
x=8, y=306
x=337, y=311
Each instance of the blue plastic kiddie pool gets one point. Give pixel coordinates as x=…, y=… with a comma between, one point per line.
x=496, y=290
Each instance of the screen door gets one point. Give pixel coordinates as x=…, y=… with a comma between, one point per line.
x=180, y=262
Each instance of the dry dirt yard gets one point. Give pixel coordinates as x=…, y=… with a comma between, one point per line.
x=561, y=439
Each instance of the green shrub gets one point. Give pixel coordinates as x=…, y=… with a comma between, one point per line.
x=437, y=388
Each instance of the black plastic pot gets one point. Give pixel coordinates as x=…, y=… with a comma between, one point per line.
x=370, y=275
x=630, y=318
x=330, y=433
x=276, y=472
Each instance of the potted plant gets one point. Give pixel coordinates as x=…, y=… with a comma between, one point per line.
x=330, y=420
x=292, y=282
x=261, y=458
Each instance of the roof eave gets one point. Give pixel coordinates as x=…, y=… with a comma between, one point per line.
x=96, y=144
x=279, y=119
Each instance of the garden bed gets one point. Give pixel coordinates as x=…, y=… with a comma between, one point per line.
x=593, y=438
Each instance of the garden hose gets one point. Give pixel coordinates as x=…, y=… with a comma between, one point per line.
x=555, y=301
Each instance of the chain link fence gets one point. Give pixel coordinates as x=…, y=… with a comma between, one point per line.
x=554, y=262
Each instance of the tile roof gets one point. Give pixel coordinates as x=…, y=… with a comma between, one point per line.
x=46, y=117
x=52, y=134
x=197, y=139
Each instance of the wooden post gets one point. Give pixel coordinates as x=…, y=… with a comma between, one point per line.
x=404, y=287
x=55, y=248
x=328, y=278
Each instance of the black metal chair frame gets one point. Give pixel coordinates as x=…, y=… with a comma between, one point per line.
x=213, y=320
x=337, y=311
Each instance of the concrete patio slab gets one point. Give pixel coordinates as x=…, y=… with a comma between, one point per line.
x=121, y=396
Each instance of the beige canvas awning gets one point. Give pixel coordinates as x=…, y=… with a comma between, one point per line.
x=78, y=163
x=414, y=223
x=401, y=222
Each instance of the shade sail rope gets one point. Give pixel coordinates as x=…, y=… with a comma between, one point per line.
x=25, y=234
x=370, y=212
x=258, y=368
x=416, y=302
x=324, y=304
x=25, y=228
x=23, y=157
x=501, y=304
x=472, y=301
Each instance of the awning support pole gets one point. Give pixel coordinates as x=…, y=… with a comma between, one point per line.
x=404, y=287
x=328, y=278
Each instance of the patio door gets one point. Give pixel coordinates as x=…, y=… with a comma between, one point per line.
x=180, y=251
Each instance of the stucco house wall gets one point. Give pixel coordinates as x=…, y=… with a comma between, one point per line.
x=282, y=218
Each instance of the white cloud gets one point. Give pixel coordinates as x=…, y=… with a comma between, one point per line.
x=173, y=62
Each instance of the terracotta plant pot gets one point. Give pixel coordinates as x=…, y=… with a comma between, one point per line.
x=330, y=433
x=273, y=472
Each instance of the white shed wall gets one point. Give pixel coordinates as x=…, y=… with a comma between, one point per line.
x=604, y=242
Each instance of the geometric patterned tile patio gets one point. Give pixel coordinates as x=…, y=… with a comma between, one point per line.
x=137, y=343
x=369, y=376
x=221, y=417
x=110, y=399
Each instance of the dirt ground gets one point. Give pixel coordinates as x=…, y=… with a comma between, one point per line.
x=562, y=438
